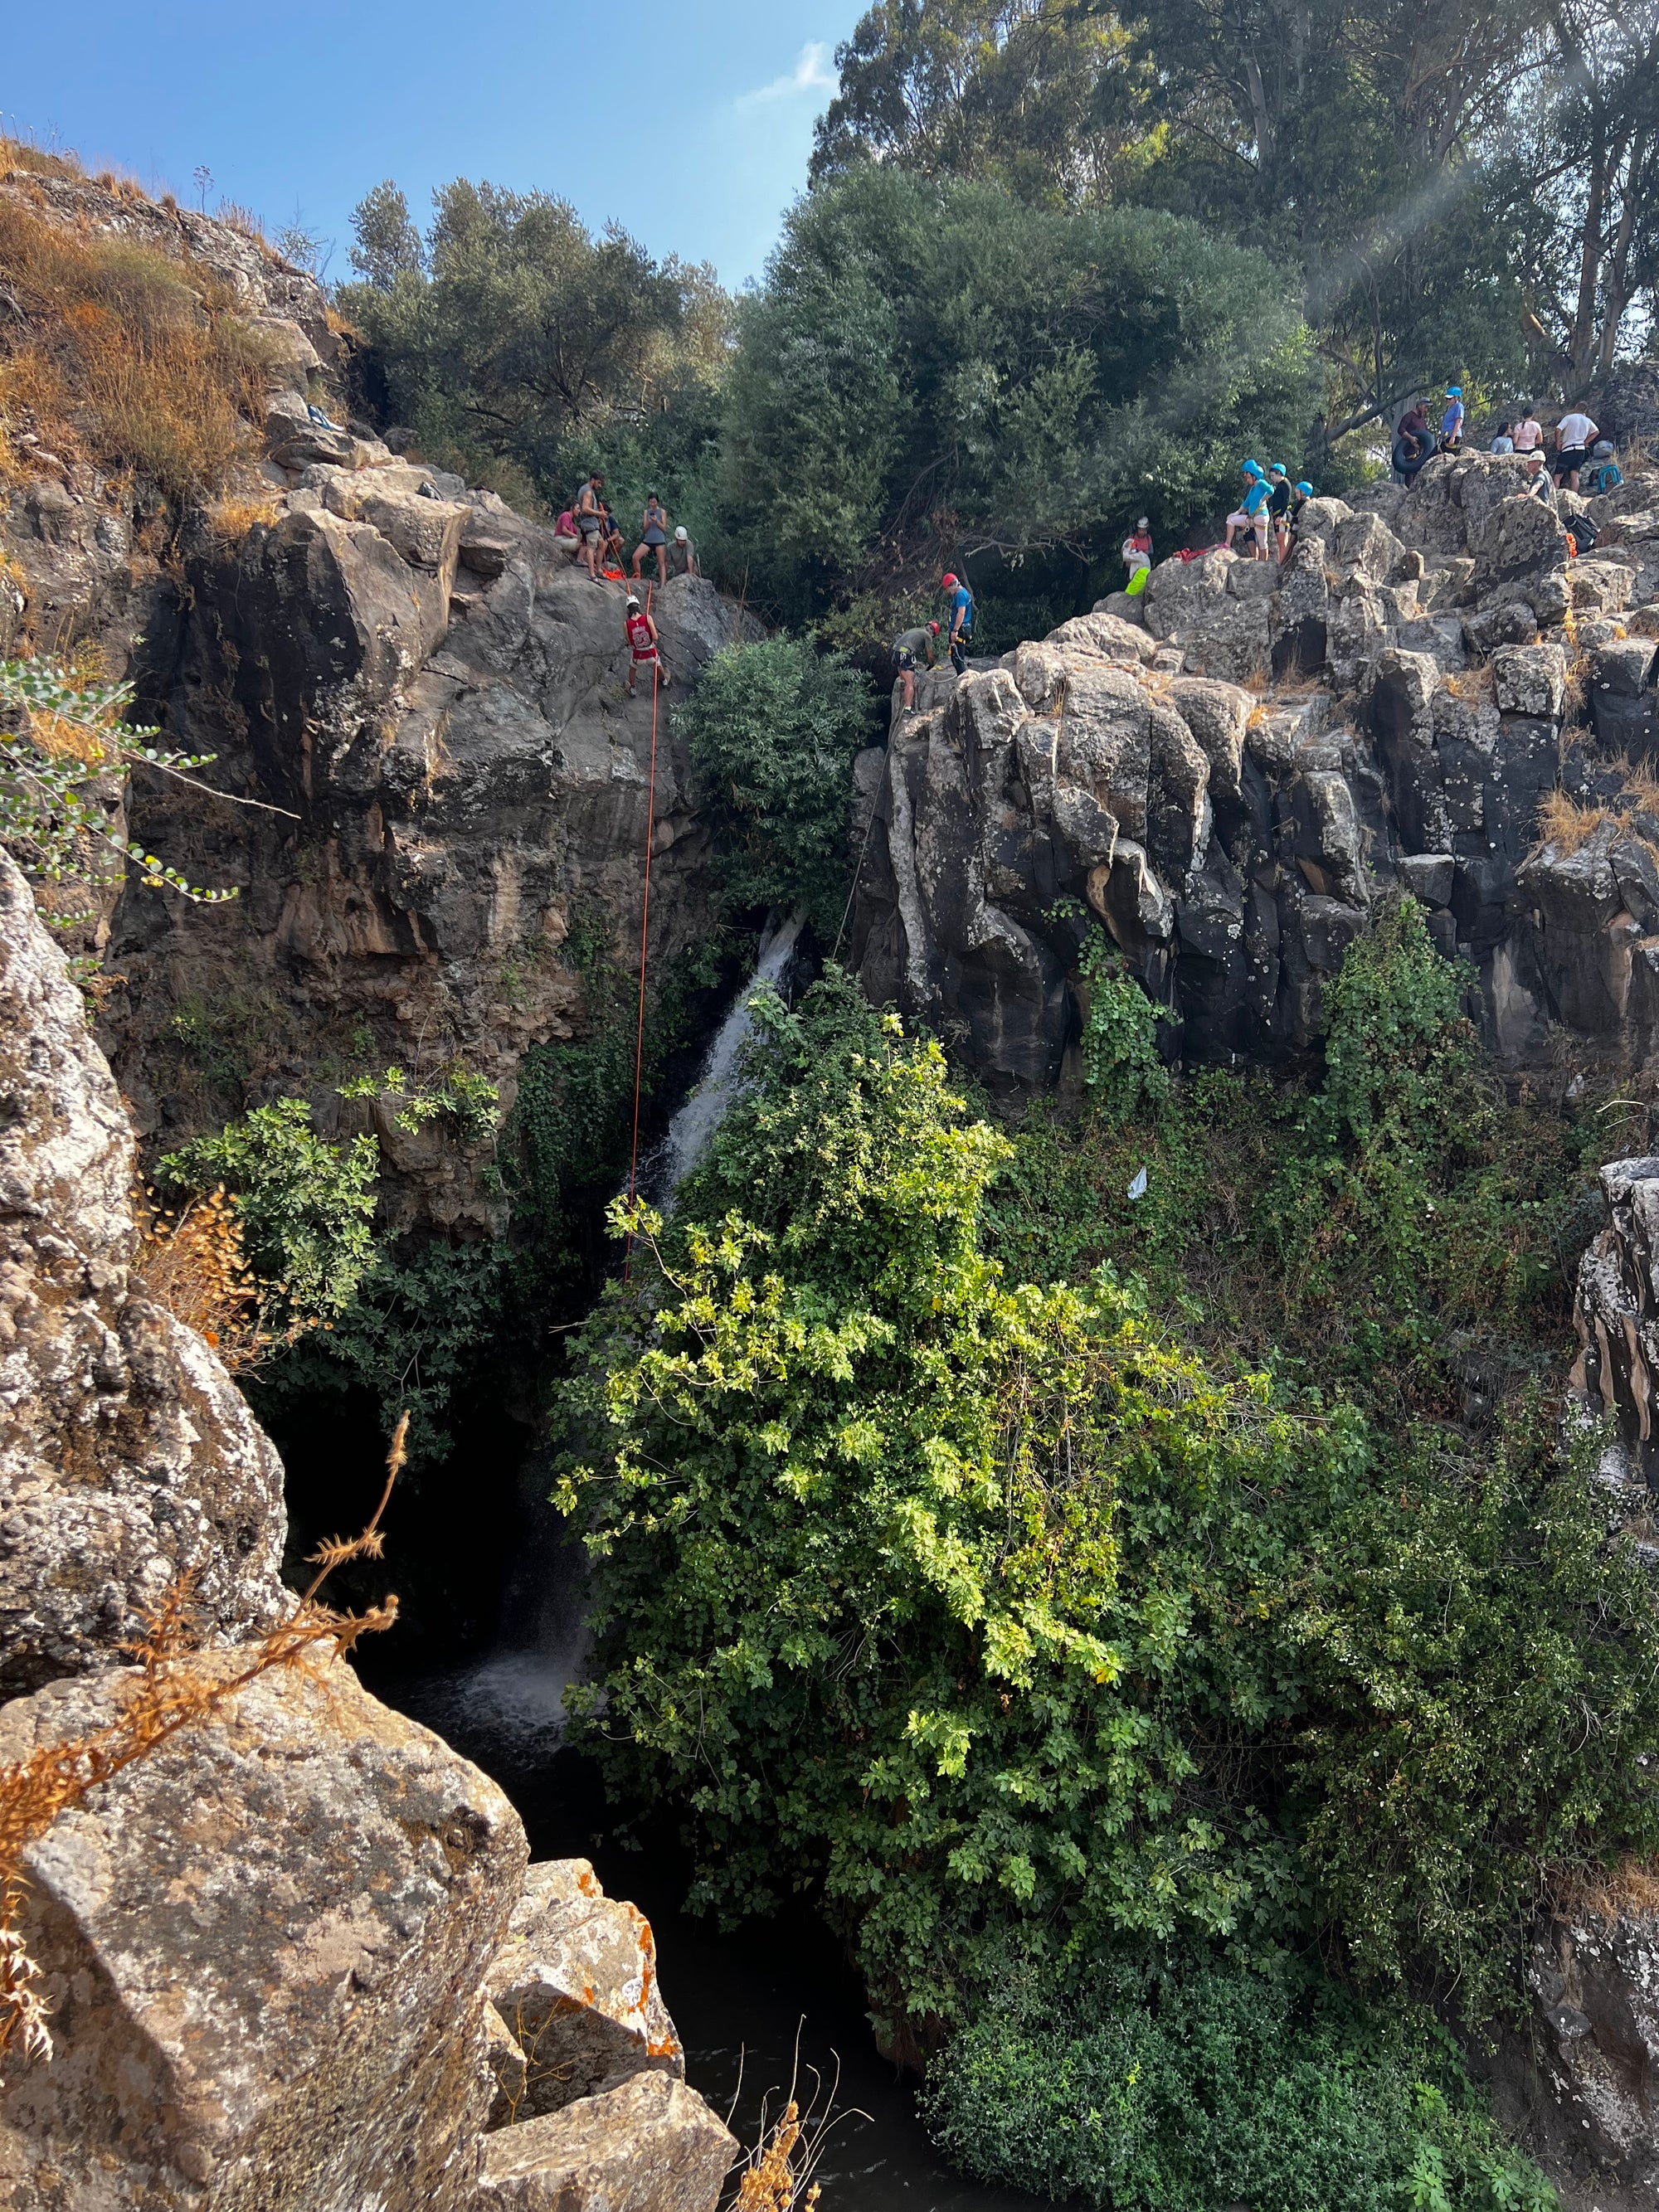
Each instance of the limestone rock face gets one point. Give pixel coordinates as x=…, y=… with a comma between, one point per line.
x=265, y=1946
x=1388, y=707
x=650, y=2145
x=127, y=1456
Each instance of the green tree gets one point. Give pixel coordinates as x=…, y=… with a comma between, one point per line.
x=937, y=372
x=773, y=727
x=513, y=337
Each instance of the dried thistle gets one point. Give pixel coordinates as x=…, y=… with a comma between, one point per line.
x=165, y=1695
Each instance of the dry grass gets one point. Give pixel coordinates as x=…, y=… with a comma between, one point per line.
x=1631, y=1887
x=123, y=356
x=166, y=1695
x=231, y=517
x=1568, y=823
x=192, y=1263
x=1473, y=683
x=58, y=162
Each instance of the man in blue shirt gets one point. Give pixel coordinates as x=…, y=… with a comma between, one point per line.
x=960, y=633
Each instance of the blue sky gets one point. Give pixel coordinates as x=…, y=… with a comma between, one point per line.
x=689, y=123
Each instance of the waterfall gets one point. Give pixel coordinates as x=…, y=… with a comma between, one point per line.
x=506, y=1709
x=710, y=1096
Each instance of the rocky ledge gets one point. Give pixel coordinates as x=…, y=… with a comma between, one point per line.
x=1228, y=772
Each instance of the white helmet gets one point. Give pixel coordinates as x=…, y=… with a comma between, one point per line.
x=680, y=533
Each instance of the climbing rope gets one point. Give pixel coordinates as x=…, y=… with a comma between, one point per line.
x=645, y=927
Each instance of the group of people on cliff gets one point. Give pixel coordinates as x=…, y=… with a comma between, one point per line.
x=589, y=531
x=1580, y=460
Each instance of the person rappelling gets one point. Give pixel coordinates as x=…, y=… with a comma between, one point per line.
x=644, y=646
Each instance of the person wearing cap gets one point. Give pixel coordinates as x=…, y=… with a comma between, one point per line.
x=1538, y=478
x=1604, y=473
x=906, y=648
x=682, y=554
x=960, y=601
x=1137, y=551
x=1451, y=423
x=1279, y=506
x=643, y=644
x=653, y=537
x=590, y=523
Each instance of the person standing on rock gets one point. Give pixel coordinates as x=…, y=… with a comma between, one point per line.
x=1503, y=441
x=682, y=554
x=1528, y=432
x=1303, y=492
x=643, y=645
x=1279, y=506
x=655, y=538
x=590, y=523
x=1413, y=443
x=1451, y=423
x=960, y=633
x=1575, y=434
x=1137, y=551
x=906, y=647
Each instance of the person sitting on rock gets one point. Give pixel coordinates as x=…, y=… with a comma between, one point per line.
x=567, y=537
x=612, y=542
x=682, y=554
x=1575, y=434
x=906, y=646
x=643, y=645
x=1528, y=432
x=590, y=523
x=1137, y=557
x=1451, y=423
x=1604, y=473
x=1503, y=441
x=1243, y=517
x=655, y=538
x=960, y=637
x=1279, y=506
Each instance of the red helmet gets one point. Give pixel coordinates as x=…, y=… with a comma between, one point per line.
x=947, y=583
x=935, y=627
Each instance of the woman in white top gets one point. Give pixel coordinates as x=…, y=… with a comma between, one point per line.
x=1575, y=434
x=1528, y=432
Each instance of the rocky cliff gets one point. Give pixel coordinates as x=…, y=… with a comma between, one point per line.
x=1228, y=772
x=424, y=698
x=293, y=1959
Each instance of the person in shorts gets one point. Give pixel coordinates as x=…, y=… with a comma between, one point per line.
x=590, y=524
x=655, y=538
x=1575, y=434
x=960, y=600
x=915, y=648
x=643, y=645
x=1242, y=517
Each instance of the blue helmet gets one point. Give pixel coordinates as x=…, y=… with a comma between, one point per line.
x=1454, y=391
x=1276, y=469
x=1306, y=488
x=1251, y=468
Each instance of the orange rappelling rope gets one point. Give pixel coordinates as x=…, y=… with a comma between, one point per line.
x=645, y=925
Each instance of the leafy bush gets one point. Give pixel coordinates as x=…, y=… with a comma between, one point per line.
x=773, y=727
x=993, y=1609
x=60, y=765
x=1120, y=1060
x=1209, y=2084
x=306, y=1207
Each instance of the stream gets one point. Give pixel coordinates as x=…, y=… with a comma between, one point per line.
x=775, y=2001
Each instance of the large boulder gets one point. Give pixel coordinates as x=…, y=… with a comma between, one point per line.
x=265, y=1947
x=127, y=1456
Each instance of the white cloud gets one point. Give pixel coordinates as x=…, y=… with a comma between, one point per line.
x=812, y=73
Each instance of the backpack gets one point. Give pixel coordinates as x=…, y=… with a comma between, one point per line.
x=1608, y=475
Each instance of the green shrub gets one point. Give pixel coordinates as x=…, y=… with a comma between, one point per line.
x=1120, y=1060
x=306, y=1207
x=1003, y=1617
x=773, y=728
x=1207, y=2084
